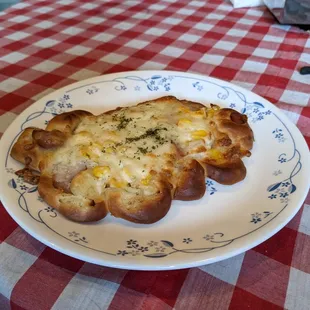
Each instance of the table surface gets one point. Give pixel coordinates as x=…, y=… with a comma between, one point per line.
x=49, y=44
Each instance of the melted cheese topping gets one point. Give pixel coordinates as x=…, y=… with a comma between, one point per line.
x=129, y=147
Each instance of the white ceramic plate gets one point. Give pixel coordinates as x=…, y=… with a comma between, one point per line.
x=227, y=221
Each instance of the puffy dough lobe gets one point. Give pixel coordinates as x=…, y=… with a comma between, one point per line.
x=48, y=139
x=26, y=151
x=143, y=209
x=67, y=122
x=191, y=183
x=76, y=208
x=236, y=126
x=28, y=175
x=34, y=144
x=227, y=175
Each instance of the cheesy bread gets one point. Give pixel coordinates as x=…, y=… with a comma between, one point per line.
x=132, y=162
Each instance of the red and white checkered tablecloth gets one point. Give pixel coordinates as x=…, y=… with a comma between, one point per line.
x=45, y=45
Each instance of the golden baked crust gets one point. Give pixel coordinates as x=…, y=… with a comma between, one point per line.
x=132, y=162
x=190, y=183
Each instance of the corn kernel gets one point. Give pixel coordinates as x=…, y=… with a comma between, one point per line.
x=184, y=121
x=96, y=146
x=199, y=112
x=183, y=109
x=117, y=183
x=215, y=154
x=146, y=180
x=92, y=151
x=84, y=134
x=101, y=171
x=84, y=152
x=199, y=134
x=108, y=142
x=127, y=171
x=87, y=152
x=109, y=150
x=123, y=149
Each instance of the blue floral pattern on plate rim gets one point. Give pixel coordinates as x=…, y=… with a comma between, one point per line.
x=281, y=190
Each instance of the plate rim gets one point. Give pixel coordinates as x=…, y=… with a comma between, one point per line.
x=143, y=266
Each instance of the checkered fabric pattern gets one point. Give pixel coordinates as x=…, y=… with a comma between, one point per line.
x=45, y=45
